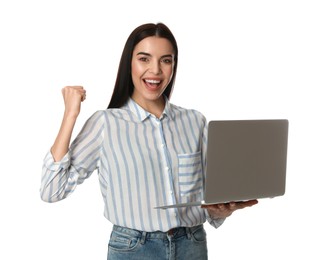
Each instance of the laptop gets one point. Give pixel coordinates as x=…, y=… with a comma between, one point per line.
x=246, y=159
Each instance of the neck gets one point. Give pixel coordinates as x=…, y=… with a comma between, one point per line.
x=155, y=107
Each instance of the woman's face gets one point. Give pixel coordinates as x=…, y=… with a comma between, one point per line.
x=152, y=69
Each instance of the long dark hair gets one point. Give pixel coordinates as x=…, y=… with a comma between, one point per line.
x=124, y=86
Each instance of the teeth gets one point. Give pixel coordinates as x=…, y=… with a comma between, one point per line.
x=152, y=81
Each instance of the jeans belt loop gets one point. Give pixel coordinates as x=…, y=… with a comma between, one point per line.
x=143, y=237
x=188, y=232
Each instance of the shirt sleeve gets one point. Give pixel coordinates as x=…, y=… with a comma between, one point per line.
x=59, y=179
x=213, y=222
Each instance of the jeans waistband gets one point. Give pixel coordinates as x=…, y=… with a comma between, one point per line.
x=173, y=233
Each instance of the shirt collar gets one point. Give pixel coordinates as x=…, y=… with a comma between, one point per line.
x=142, y=114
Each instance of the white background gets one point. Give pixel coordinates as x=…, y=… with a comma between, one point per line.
x=238, y=60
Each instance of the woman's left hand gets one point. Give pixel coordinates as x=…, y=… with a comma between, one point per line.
x=224, y=210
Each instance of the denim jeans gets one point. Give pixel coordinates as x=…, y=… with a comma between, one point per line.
x=179, y=244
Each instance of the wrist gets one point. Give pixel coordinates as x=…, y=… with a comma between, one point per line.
x=70, y=115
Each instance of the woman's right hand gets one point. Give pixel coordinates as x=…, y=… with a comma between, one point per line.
x=73, y=96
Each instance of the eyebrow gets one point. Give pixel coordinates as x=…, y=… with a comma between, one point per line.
x=148, y=54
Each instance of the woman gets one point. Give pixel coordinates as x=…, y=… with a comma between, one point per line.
x=147, y=151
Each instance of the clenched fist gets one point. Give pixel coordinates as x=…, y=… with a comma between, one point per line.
x=73, y=96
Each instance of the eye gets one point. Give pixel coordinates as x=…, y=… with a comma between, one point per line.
x=167, y=61
x=144, y=59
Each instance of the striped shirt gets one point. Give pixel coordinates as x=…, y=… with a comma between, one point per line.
x=142, y=162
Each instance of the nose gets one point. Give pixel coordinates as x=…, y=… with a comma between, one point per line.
x=155, y=67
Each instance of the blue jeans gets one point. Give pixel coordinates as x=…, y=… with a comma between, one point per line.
x=179, y=244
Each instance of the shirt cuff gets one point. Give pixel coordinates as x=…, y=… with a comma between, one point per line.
x=215, y=222
x=53, y=166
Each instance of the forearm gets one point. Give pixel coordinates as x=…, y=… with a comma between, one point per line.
x=62, y=141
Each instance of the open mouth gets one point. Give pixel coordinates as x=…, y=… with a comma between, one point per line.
x=152, y=83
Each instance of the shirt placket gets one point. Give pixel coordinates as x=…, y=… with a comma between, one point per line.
x=167, y=171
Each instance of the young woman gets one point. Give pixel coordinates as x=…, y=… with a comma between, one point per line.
x=147, y=151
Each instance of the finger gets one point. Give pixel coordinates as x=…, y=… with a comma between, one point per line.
x=233, y=206
x=83, y=94
x=216, y=207
x=77, y=87
x=74, y=90
x=83, y=97
x=213, y=207
x=244, y=204
x=221, y=206
x=250, y=203
x=80, y=90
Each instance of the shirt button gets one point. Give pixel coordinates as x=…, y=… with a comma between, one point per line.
x=166, y=168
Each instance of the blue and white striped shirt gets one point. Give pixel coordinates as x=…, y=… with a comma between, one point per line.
x=142, y=162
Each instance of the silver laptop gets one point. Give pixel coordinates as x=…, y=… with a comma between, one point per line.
x=246, y=159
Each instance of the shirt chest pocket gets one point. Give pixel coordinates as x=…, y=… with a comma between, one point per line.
x=190, y=175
